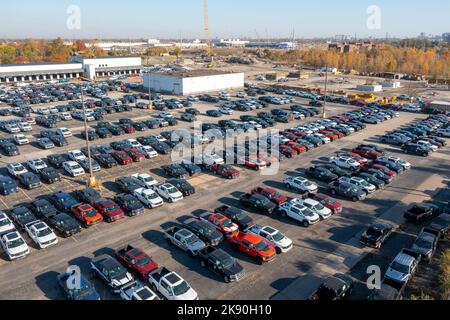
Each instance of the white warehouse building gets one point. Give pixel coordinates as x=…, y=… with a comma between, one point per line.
x=193, y=81
x=91, y=68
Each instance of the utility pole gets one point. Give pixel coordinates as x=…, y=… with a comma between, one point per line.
x=324, y=112
x=92, y=181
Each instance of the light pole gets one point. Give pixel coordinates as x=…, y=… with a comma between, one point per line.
x=324, y=112
x=92, y=181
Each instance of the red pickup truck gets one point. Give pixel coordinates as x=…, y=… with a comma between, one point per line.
x=254, y=246
x=226, y=171
x=136, y=260
x=110, y=210
x=271, y=194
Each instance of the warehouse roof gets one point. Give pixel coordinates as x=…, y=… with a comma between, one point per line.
x=36, y=64
x=444, y=103
x=192, y=73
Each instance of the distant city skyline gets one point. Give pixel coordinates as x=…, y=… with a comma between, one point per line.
x=136, y=19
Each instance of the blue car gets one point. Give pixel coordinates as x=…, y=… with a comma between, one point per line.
x=63, y=201
x=7, y=186
x=85, y=292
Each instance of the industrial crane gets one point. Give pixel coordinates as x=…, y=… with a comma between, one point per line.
x=209, y=51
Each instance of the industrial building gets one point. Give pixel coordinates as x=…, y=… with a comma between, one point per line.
x=107, y=66
x=442, y=106
x=193, y=81
x=369, y=87
x=91, y=68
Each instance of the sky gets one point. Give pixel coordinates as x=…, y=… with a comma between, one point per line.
x=103, y=19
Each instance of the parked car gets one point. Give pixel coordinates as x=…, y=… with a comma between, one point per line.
x=376, y=235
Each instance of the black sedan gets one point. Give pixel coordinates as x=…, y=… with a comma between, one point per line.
x=185, y=187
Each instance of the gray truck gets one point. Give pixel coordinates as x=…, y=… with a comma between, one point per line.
x=403, y=267
x=184, y=239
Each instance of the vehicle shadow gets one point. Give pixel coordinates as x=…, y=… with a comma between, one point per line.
x=47, y=283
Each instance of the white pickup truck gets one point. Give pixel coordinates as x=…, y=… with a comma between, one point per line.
x=171, y=285
x=273, y=236
x=137, y=291
x=41, y=234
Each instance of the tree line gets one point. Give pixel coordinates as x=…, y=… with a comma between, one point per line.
x=32, y=51
x=434, y=62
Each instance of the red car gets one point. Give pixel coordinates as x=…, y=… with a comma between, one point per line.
x=331, y=135
x=110, y=210
x=271, y=194
x=328, y=202
x=223, y=224
x=296, y=146
x=136, y=260
x=128, y=128
x=367, y=153
x=384, y=169
x=122, y=157
x=253, y=162
x=86, y=214
x=226, y=171
x=254, y=246
x=136, y=155
x=287, y=151
x=337, y=132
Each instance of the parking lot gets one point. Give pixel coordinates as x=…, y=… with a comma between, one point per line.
x=328, y=246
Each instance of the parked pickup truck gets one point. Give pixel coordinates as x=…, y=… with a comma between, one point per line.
x=403, y=267
x=258, y=202
x=238, y=216
x=254, y=246
x=279, y=241
x=337, y=287
x=184, y=239
x=226, y=171
x=171, y=286
x=136, y=260
x=418, y=213
x=111, y=272
x=221, y=263
x=137, y=291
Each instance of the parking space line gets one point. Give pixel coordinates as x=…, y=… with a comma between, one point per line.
x=4, y=203
x=27, y=196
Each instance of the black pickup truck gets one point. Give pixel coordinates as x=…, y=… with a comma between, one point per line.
x=238, y=216
x=419, y=213
x=221, y=263
x=337, y=287
x=258, y=202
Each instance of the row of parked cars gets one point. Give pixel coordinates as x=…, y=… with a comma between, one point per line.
x=421, y=137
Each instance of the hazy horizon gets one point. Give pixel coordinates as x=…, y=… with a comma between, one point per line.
x=139, y=19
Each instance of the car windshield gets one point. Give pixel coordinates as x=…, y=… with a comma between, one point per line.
x=44, y=232
x=76, y=166
x=226, y=223
x=90, y=213
x=15, y=243
x=278, y=236
x=400, y=267
x=421, y=243
x=112, y=208
x=261, y=246
x=171, y=190
x=228, y=262
x=318, y=207
x=84, y=290
x=374, y=232
x=115, y=271
x=181, y=288
x=143, y=261
x=4, y=222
